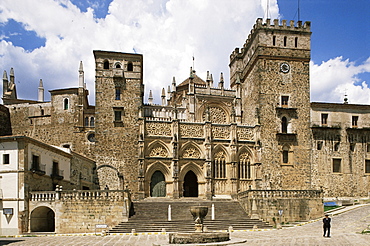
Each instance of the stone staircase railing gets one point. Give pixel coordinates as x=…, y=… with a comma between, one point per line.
x=257, y=194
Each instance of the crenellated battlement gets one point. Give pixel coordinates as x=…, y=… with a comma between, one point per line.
x=275, y=26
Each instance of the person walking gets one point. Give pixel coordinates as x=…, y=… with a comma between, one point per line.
x=326, y=223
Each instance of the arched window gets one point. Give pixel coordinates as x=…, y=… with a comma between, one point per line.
x=284, y=125
x=244, y=166
x=219, y=165
x=92, y=121
x=130, y=67
x=86, y=121
x=285, y=39
x=66, y=103
x=106, y=64
x=118, y=65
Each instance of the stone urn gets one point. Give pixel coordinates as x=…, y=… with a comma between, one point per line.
x=198, y=212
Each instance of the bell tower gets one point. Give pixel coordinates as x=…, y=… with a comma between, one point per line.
x=273, y=69
x=119, y=98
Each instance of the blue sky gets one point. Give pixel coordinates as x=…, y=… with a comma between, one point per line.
x=47, y=39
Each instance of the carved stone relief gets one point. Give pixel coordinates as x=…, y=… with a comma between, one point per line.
x=217, y=115
x=220, y=132
x=158, y=129
x=191, y=152
x=191, y=131
x=245, y=134
x=158, y=151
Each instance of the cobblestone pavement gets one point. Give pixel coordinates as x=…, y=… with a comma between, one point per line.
x=345, y=231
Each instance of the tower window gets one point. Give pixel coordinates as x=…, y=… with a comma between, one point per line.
x=118, y=65
x=284, y=125
x=284, y=101
x=86, y=121
x=337, y=165
x=274, y=40
x=285, y=155
x=130, y=67
x=106, y=64
x=367, y=166
x=118, y=93
x=285, y=41
x=336, y=146
x=324, y=119
x=319, y=145
x=296, y=42
x=92, y=121
x=354, y=121
x=42, y=112
x=6, y=159
x=117, y=115
x=66, y=103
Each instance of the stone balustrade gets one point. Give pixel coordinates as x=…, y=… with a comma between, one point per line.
x=111, y=195
x=258, y=194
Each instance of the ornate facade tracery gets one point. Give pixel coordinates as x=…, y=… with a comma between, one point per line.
x=158, y=151
x=158, y=129
x=216, y=114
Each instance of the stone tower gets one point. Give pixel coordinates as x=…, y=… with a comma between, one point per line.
x=273, y=69
x=119, y=99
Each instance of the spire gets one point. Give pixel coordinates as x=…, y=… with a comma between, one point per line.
x=11, y=76
x=191, y=73
x=150, y=98
x=173, y=84
x=5, y=82
x=41, y=91
x=221, y=83
x=163, y=96
x=81, y=78
x=209, y=80
x=168, y=92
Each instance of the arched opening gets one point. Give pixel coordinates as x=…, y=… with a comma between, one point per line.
x=42, y=220
x=106, y=64
x=130, y=67
x=190, y=185
x=66, y=103
x=158, y=185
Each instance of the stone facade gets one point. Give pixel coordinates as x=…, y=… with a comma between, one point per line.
x=205, y=140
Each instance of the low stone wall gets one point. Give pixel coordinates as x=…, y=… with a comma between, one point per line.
x=295, y=205
x=81, y=211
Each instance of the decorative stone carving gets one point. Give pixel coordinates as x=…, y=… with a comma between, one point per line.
x=245, y=134
x=217, y=115
x=220, y=132
x=158, y=151
x=191, y=131
x=158, y=129
x=191, y=152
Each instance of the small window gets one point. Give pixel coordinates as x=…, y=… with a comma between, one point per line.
x=352, y=147
x=6, y=159
x=368, y=148
x=91, y=137
x=336, y=146
x=324, y=119
x=285, y=154
x=284, y=101
x=284, y=125
x=117, y=115
x=354, y=121
x=319, y=145
x=130, y=67
x=274, y=40
x=296, y=42
x=86, y=121
x=92, y=121
x=106, y=64
x=367, y=166
x=55, y=170
x=337, y=165
x=118, y=65
x=118, y=93
x=66, y=103
x=35, y=162
x=285, y=41
x=42, y=112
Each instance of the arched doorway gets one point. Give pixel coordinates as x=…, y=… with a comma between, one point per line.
x=190, y=185
x=42, y=220
x=158, y=185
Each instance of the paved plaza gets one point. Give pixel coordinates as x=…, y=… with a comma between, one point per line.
x=346, y=228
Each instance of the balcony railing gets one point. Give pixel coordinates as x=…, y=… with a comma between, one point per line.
x=57, y=174
x=327, y=124
x=38, y=169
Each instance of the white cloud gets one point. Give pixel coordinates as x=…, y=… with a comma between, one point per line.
x=332, y=79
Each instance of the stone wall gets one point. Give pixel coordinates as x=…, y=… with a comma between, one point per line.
x=297, y=205
x=5, y=125
x=80, y=211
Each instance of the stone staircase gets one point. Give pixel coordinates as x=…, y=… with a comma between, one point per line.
x=151, y=215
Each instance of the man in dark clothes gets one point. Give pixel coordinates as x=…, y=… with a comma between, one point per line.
x=326, y=223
